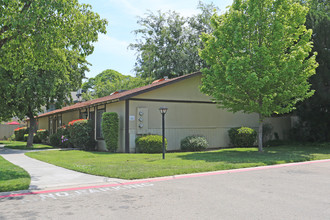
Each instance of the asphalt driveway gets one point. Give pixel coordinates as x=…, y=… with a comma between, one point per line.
x=299, y=191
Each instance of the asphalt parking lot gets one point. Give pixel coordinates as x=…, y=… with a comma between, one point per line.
x=294, y=192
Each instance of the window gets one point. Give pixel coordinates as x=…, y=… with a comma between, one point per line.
x=98, y=123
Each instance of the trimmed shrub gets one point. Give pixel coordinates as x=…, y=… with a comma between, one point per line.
x=150, y=144
x=81, y=134
x=54, y=140
x=194, y=143
x=61, y=138
x=242, y=137
x=77, y=121
x=36, y=139
x=42, y=135
x=19, y=133
x=110, y=130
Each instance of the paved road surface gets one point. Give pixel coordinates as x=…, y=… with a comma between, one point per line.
x=294, y=192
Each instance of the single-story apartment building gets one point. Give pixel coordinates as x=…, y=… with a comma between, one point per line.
x=190, y=112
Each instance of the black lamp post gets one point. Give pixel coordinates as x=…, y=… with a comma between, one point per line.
x=163, y=111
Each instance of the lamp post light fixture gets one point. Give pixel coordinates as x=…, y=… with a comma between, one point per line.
x=163, y=111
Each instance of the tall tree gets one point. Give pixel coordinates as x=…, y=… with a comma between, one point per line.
x=259, y=57
x=315, y=111
x=169, y=43
x=43, y=45
x=110, y=81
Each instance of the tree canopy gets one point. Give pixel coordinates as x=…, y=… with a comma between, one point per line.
x=259, y=57
x=315, y=111
x=110, y=81
x=168, y=43
x=43, y=45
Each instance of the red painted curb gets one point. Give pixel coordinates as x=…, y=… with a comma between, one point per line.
x=184, y=176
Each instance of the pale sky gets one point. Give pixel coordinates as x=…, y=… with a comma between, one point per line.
x=111, y=50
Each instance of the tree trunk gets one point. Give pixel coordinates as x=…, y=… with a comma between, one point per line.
x=261, y=120
x=31, y=131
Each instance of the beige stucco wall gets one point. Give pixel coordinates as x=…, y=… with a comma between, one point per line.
x=6, y=131
x=66, y=118
x=187, y=89
x=43, y=123
x=184, y=119
x=69, y=116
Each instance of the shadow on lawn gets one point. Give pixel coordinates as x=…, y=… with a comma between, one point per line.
x=268, y=157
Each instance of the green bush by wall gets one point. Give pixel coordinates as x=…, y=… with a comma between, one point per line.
x=61, y=138
x=54, y=140
x=242, y=137
x=19, y=133
x=110, y=130
x=150, y=144
x=42, y=135
x=81, y=134
x=194, y=143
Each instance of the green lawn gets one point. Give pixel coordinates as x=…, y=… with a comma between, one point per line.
x=137, y=166
x=22, y=145
x=12, y=177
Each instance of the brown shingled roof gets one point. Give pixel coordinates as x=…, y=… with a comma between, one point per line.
x=120, y=96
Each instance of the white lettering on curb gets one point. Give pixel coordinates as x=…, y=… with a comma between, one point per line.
x=60, y=194
x=84, y=192
x=45, y=196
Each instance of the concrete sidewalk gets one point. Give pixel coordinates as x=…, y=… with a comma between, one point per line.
x=48, y=176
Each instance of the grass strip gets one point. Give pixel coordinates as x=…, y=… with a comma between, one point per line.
x=137, y=166
x=12, y=177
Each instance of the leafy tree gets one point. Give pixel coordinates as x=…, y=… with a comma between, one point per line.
x=169, y=43
x=43, y=45
x=259, y=57
x=314, y=112
x=110, y=81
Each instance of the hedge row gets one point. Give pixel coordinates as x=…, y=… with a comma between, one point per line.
x=21, y=134
x=78, y=133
